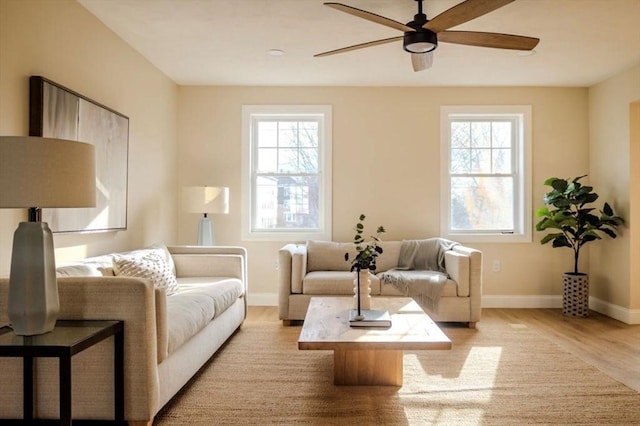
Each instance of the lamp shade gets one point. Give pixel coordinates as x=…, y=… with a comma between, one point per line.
x=206, y=199
x=46, y=172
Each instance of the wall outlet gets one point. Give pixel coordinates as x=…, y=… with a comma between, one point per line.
x=496, y=266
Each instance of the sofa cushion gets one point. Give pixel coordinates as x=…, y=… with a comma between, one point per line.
x=103, y=263
x=196, y=303
x=450, y=289
x=329, y=256
x=79, y=269
x=150, y=265
x=223, y=291
x=389, y=257
x=334, y=283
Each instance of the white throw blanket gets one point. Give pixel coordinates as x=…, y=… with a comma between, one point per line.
x=421, y=271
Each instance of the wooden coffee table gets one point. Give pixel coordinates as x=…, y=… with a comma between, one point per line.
x=369, y=356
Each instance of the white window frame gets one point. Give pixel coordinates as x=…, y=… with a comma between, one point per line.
x=522, y=231
x=324, y=113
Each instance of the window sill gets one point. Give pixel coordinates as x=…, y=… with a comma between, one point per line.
x=488, y=238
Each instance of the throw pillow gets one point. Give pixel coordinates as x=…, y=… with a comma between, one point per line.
x=160, y=249
x=152, y=266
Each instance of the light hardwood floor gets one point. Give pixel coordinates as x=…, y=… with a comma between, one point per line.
x=609, y=345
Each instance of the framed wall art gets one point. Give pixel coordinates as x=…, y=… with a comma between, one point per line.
x=55, y=111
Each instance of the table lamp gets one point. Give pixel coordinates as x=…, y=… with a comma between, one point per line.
x=40, y=172
x=205, y=200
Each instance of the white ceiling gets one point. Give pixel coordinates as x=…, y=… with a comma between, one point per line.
x=225, y=42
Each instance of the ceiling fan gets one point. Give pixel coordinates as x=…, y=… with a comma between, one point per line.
x=421, y=36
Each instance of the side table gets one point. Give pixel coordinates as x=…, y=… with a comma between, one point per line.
x=68, y=338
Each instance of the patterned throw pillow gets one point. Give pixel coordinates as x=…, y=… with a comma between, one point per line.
x=152, y=266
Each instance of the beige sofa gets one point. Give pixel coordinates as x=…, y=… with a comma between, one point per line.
x=168, y=337
x=318, y=268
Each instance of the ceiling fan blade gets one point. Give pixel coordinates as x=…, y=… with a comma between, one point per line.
x=482, y=39
x=462, y=13
x=359, y=46
x=370, y=16
x=421, y=61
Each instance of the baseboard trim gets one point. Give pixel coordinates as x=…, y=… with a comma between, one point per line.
x=522, y=302
x=625, y=315
x=628, y=316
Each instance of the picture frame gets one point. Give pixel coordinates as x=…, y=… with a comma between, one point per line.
x=58, y=112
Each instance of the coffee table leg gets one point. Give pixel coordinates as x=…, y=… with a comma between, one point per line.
x=367, y=367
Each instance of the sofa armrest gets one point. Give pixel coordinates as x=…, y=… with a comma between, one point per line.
x=292, y=267
x=292, y=264
x=131, y=300
x=457, y=266
x=214, y=261
x=475, y=279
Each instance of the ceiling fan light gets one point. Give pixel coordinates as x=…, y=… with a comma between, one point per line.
x=420, y=41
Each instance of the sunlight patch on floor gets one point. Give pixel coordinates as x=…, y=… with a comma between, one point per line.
x=447, y=416
x=518, y=326
x=452, y=393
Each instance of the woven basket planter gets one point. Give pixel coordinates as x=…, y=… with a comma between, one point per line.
x=575, y=295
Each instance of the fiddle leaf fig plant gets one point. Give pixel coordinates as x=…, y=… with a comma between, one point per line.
x=570, y=218
x=368, y=251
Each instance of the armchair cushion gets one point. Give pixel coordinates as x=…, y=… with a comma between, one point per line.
x=335, y=283
x=329, y=256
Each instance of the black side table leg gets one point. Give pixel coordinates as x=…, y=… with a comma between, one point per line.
x=27, y=388
x=118, y=376
x=65, y=390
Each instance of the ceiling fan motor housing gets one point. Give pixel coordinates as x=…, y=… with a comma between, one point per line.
x=420, y=41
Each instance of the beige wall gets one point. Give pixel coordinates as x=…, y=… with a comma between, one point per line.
x=634, y=206
x=613, y=162
x=61, y=41
x=387, y=137
x=386, y=150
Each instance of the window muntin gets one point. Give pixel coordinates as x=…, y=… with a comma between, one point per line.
x=486, y=173
x=288, y=172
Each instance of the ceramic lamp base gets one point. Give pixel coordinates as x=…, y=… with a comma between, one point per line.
x=205, y=232
x=33, y=289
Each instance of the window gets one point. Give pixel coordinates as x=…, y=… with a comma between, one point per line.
x=486, y=173
x=286, y=172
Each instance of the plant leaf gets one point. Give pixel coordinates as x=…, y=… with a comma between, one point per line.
x=561, y=241
x=549, y=181
x=559, y=185
x=542, y=211
x=550, y=237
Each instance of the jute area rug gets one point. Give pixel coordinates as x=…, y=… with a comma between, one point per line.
x=497, y=374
